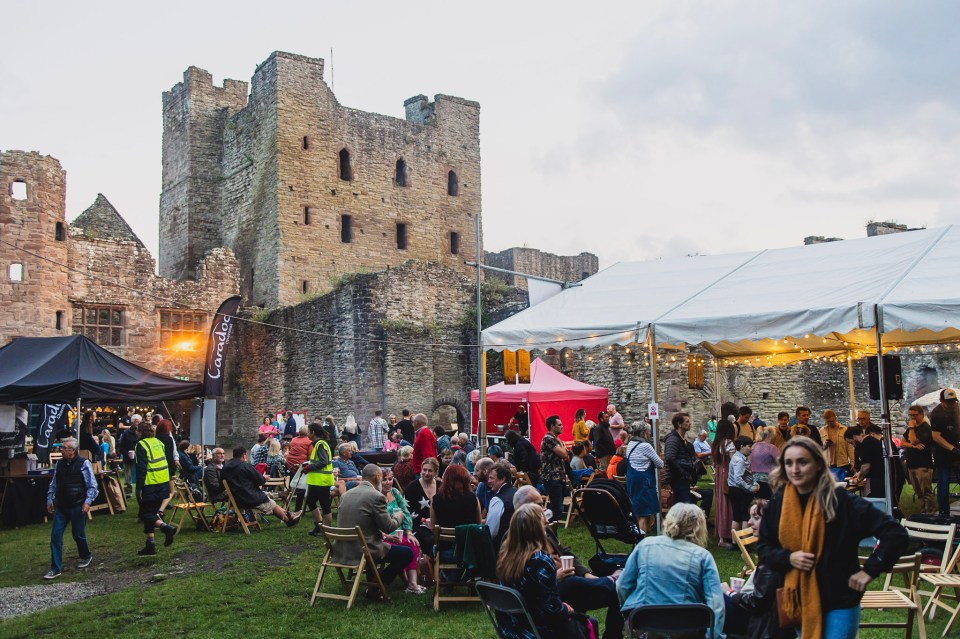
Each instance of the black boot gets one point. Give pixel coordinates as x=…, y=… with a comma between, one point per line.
x=149, y=549
x=168, y=533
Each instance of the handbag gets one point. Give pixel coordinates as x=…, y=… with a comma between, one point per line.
x=785, y=620
x=666, y=497
x=604, y=565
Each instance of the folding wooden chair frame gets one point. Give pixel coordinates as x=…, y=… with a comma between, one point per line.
x=187, y=504
x=935, y=534
x=896, y=600
x=947, y=579
x=744, y=538
x=446, y=539
x=354, y=575
x=232, y=503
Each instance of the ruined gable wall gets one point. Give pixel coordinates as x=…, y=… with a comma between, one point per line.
x=29, y=307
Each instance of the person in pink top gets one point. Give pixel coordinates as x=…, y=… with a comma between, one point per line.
x=616, y=422
x=267, y=427
x=424, y=442
x=764, y=459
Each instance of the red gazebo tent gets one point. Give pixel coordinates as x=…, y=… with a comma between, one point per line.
x=549, y=392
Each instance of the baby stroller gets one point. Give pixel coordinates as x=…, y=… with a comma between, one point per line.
x=607, y=515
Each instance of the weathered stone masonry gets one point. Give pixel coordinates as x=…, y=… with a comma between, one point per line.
x=276, y=178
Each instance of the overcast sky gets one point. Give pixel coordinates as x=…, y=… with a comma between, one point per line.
x=634, y=131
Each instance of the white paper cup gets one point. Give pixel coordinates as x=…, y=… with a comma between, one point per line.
x=736, y=583
x=566, y=561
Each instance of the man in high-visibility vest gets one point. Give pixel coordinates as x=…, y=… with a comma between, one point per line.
x=153, y=486
x=319, y=478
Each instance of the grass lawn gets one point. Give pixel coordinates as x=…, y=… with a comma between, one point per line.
x=213, y=585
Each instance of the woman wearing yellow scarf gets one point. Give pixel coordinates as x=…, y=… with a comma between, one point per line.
x=810, y=533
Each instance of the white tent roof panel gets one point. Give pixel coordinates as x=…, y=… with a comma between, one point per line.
x=818, y=296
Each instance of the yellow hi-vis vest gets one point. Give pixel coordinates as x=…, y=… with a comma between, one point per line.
x=157, y=470
x=322, y=477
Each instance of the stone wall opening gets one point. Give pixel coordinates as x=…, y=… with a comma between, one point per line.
x=346, y=228
x=346, y=171
x=453, y=184
x=306, y=216
x=15, y=272
x=454, y=243
x=59, y=233
x=401, y=173
x=401, y=236
x=18, y=190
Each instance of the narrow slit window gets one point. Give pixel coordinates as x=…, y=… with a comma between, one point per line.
x=346, y=171
x=401, y=176
x=304, y=286
x=346, y=229
x=453, y=184
x=306, y=215
x=401, y=236
x=59, y=233
x=454, y=243
x=306, y=142
x=18, y=190
x=59, y=322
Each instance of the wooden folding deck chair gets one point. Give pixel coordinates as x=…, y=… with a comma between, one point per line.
x=232, y=504
x=744, y=540
x=351, y=575
x=185, y=503
x=897, y=600
x=947, y=579
x=445, y=539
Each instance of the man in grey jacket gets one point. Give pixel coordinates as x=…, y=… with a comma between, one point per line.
x=366, y=507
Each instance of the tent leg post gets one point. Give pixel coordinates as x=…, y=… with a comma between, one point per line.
x=652, y=341
x=79, y=421
x=884, y=414
x=853, y=400
x=482, y=405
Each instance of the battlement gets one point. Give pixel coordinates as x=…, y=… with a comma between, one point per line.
x=197, y=81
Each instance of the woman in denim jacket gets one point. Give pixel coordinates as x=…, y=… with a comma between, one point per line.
x=674, y=568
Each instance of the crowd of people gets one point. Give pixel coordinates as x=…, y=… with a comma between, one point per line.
x=785, y=481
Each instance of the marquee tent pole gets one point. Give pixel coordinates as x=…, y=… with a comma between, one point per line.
x=884, y=413
x=655, y=435
x=482, y=359
x=853, y=401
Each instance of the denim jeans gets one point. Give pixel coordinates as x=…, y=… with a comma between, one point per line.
x=841, y=623
x=943, y=489
x=78, y=526
x=554, y=488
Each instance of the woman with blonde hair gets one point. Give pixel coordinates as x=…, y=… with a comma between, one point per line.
x=526, y=565
x=674, y=568
x=811, y=533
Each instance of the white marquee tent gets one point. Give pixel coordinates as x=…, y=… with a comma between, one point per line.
x=822, y=298
x=765, y=307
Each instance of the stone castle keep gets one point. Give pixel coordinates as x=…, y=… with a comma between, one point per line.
x=304, y=190
x=345, y=232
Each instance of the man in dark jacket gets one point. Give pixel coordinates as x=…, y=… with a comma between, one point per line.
x=247, y=484
x=681, y=464
x=125, y=448
x=211, y=477
x=72, y=490
x=525, y=457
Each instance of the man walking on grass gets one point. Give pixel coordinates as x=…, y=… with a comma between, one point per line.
x=72, y=491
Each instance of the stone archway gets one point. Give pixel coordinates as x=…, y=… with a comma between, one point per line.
x=450, y=410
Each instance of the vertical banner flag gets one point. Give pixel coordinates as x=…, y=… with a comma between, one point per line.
x=53, y=419
x=221, y=332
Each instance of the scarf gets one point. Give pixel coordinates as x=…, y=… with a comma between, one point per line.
x=802, y=530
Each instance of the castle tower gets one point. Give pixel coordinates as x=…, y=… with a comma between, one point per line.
x=194, y=115
x=305, y=190
x=34, y=290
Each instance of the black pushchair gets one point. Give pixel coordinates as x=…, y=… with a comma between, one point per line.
x=607, y=515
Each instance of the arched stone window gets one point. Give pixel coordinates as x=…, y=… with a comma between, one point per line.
x=453, y=184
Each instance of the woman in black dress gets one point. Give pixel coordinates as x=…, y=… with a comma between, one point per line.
x=455, y=504
x=419, y=494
